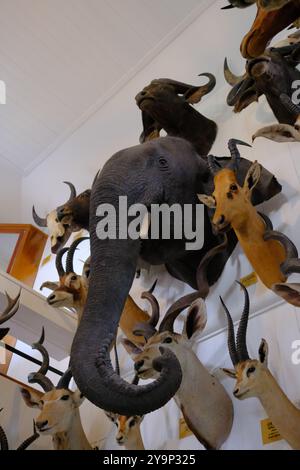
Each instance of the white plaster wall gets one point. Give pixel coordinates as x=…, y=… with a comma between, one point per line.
x=116, y=125
x=10, y=193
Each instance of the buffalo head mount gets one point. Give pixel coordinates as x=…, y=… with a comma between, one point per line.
x=166, y=104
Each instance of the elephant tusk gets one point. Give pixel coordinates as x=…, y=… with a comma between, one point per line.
x=145, y=226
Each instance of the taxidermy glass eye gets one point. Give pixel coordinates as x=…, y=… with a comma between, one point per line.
x=167, y=340
x=233, y=187
x=73, y=278
x=250, y=371
x=132, y=423
x=65, y=397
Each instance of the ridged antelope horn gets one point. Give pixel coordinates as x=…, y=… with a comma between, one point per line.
x=201, y=276
x=65, y=379
x=39, y=377
x=181, y=304
x=148, y=329
x=235, y=154
x=30, y=440
x=230, y=77
x=241, y=344
x=11, y=309
x=71, y=252
x=230, y=338
x=58, y=262
x=267, y=221
x=41, y=222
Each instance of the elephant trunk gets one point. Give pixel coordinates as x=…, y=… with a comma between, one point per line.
x=113, y=265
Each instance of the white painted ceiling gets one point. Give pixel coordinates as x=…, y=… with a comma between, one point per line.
x=61, y=59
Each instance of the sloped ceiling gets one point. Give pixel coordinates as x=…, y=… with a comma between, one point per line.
x=61, y=59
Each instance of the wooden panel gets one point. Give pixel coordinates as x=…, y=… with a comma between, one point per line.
x=8, y=355
x=28, y=252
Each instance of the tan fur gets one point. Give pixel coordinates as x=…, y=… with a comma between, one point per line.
x=239, y=213
x=62, y=418
x=128, y=436
x=261, y=384
x=207, y=407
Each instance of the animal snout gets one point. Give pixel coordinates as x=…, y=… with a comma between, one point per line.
x=140, y=96
x=120, y=439
x=41, y=424
x=51, y=298
x=61, y=212
x=138, y=365
x=236, y=391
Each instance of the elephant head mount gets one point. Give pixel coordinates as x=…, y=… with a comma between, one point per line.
x=164, y=170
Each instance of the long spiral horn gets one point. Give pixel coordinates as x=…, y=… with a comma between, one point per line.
x=39, y=377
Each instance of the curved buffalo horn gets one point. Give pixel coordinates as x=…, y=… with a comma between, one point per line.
x=289, y=105
x=58, y=262
x=30, y=440
x=72, y=189
x=11, y=309
x=190, y=90
x=230, y=77
x=241, y=345
x=39, y=377
x=201, y=276
x=41, y=222
x=230, y=339
x=241, y=89
x=65, y=379
x=213, y=165
x=172, y=313
x=235, y=154
x=71, y=252
x=3, y=438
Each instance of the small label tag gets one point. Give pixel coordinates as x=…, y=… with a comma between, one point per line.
x=46, y=260
x=249, y=280
x=268, y=432
x=184, y=430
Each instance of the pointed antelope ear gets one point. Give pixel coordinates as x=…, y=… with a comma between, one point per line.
x=78, y=398
x=252, y=177
x=263, y=352
x=31, y=398
x=209, y=201
x=132, y=349
x=196, y=318
x=230, y=372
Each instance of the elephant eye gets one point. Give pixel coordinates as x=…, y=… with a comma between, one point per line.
x=65, y=397
x=167, y=340
x=250, y=371
x=162, y=162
